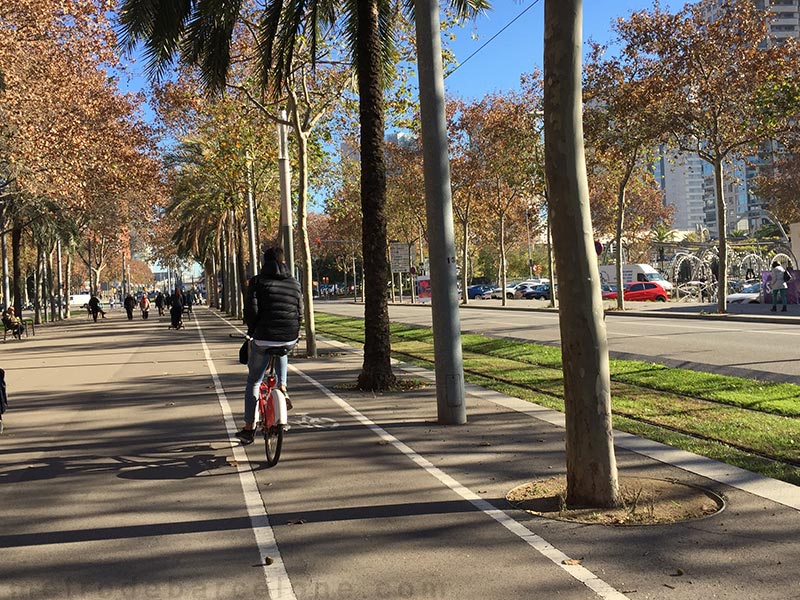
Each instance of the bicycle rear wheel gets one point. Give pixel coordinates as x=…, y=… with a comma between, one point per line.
x=273, y=432
x=273, y=442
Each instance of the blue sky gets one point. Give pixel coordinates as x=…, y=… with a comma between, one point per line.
x=519, y=48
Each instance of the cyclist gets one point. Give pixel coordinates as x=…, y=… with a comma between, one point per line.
x=273, y=311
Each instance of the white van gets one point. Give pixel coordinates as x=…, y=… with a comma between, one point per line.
x=79, y=299
x=633, y=273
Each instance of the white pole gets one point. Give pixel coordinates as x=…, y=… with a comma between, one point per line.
x=251, y=220
x=441, y=251
x=286, y=196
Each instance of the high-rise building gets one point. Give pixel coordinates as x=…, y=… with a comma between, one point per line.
x=685, y=177
x=785, y=21
x=680, y=175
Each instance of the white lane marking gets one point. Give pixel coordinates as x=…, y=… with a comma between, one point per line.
x=278, y=583
x=307, y=421
x=582, y=574
x=689, y=325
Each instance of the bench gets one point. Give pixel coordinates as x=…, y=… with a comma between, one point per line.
x=32, y=323
x=16, y=329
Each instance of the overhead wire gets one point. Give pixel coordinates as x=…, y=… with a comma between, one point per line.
x=491, y=39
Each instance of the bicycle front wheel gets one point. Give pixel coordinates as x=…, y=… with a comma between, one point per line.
x=273, y=442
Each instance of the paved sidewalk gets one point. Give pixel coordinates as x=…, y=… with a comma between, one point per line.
x=371, y=499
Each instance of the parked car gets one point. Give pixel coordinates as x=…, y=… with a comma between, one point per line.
x=648, y=291
x=609, y=291
x=750, y=294
x=521, y=290
x=481, y=291
x=509, y=293
x=540, y=292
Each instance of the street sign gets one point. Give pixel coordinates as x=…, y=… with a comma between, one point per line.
x=400, y=257
x=598, y=247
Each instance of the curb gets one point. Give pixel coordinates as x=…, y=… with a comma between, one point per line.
x=663, y=313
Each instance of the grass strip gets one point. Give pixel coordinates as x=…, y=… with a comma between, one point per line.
x=661, y=413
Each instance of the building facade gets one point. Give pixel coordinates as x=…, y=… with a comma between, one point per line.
x=688, y=182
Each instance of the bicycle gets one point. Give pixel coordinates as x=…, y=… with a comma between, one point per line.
x=272, y=411
x=273, y=415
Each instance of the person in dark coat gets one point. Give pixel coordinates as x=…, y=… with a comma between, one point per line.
x=130, y=304
x=188, y=301
x=273, y=311
x=94, y=308
x=160, y=302
x=176, y=309
x=3, y=397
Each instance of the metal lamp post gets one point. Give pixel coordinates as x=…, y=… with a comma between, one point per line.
x=450, y=393
x=528, y=233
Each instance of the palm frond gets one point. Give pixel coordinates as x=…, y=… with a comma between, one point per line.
x=283, y=25
x=157, y=24
x=208, y=37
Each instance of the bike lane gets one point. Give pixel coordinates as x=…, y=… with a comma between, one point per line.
x=117, y=477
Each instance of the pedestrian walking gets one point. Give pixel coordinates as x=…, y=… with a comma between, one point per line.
x=176, y=309
x=160, y=303
x=188, y=301
x=778, y=282
x=94, y=308
x=144, y=306
x=130, y=304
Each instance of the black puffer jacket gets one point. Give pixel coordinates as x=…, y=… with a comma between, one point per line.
x=273, y=305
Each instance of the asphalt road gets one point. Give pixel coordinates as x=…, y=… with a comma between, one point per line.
x=119, y=480
x=762, y=348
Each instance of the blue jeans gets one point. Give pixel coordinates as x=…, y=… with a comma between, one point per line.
x=779, y=292
x=257, y=363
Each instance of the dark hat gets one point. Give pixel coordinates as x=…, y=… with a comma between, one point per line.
x=274, y=253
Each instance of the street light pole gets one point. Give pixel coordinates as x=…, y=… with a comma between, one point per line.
x=286, y=196
x=528, y=232
x=552, y=303
x=450, y=392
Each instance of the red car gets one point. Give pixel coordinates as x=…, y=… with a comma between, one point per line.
x=640, y=291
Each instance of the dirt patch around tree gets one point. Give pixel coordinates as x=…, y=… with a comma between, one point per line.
x=645, y=501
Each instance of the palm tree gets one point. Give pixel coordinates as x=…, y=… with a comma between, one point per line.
x=201, y=31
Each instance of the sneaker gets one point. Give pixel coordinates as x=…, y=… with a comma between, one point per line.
x=282, y=388
x=773, y=309
x=783, y=309
x=246, y=436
